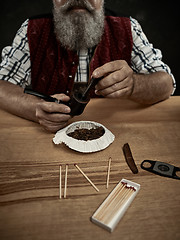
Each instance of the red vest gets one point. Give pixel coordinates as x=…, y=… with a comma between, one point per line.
x=53, y=67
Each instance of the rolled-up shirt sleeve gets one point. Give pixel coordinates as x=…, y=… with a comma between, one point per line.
x=15, y=66
x=145, y=58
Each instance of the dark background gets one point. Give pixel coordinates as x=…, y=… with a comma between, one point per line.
x=159, y=20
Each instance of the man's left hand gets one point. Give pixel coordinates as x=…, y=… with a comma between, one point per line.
x=117, y=82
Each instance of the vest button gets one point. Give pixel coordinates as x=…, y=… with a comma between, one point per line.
x=70, y=76
x=67, y=92
x=73, y=63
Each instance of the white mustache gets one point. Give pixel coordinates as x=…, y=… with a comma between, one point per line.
x=77, y=3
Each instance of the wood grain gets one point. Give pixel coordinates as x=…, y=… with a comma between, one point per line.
x=30, y=207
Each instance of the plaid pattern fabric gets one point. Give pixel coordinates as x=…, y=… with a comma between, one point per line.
x=16, y=66
x=82, y=74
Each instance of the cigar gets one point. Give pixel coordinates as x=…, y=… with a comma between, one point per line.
x=129, y=158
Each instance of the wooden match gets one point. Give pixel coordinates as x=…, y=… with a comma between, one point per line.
x=118, y=204
x=108, y=204
x=60, y=182
x=65, y=184
x=108, y=172
x=92, y=184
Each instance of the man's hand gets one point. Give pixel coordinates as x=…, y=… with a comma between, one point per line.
x=53, y=116
x=117, y=82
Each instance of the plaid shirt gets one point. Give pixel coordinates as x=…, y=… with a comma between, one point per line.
x=16, y=65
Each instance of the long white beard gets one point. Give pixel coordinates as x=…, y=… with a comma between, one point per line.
x=78, y=30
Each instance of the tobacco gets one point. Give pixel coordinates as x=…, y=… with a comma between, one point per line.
x=87, y=134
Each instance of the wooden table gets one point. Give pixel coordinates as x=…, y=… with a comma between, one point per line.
x=29, y=175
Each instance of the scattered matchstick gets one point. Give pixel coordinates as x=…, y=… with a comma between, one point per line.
x=60, y=182
x=108, y=172
x=92, y=184
x=65, y=184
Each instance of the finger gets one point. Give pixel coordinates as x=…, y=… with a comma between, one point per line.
x=111, y=79
x=108, y=68
x=52, y=127
x=122, y=93
x=62, y=97
x=52, y=117
x=53, y=107
x=115, y=87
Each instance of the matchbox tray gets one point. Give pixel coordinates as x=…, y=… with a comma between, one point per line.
x=115, y=205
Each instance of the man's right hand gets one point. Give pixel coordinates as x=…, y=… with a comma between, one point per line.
x=53, y=116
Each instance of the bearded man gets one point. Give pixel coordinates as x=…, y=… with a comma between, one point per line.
x=56, y=54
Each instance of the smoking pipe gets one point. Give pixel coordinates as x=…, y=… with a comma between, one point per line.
x=77, y=102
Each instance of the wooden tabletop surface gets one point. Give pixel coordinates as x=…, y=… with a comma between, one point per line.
x=30, y=207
